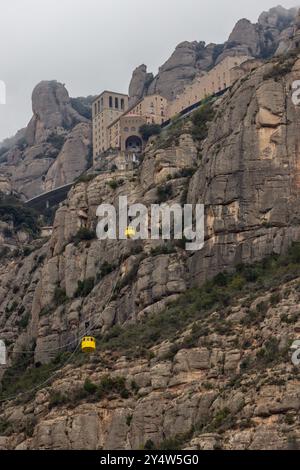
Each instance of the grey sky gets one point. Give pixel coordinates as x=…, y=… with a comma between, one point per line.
x=91, y=45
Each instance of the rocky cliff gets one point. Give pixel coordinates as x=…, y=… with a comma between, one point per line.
x=176, y=366
x=55, y=147
x=271, y=35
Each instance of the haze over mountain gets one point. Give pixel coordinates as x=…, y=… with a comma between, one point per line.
x=193, y=348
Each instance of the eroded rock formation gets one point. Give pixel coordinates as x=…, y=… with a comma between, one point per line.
x=272, y=34
x=55, y=147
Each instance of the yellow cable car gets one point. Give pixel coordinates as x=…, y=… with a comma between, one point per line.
x=88, y=344
x=130, y=232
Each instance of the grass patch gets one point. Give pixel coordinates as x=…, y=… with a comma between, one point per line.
x=200, y=120
x=197, y=304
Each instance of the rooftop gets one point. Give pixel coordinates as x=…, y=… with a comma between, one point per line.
x=110, y=92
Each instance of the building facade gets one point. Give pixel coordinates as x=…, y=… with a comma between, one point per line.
x=124, y=134
x=219, y=78
x=116, y=127
x=106, y=109
x=154, y=108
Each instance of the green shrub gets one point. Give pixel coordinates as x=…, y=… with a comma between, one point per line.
x=27, y=250
x=82, y=107
x=23, y=323
x=269, y=353
x=57, y=399
x=184, y=173
x=22, y=376
x=46, y=311
x=171, y=134
x=149, y=445
x=114, y=184
x=90, y=387
x=60, y=296
x=128, y=278
x=86, y=178
x=4, y=426
x=7, y=232
x=165, y=249
x=148, y=130
x=219, y=420
x=176, y=442
x=200, y=119
x=12, y=307
x=128, y=420
x=83, y=234
x=293, y=443
x=112, y=385
x=164, y=193
x=85, y=287
x=56, y=140
x=105, y=269
x=4, y=251
x=280, y=70
x=134, y=386
x=12, y=210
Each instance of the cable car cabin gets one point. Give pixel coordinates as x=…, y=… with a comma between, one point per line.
x=130, y=232
x=88, y=344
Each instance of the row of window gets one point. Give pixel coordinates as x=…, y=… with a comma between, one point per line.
x=117, y=103
x=126, y=129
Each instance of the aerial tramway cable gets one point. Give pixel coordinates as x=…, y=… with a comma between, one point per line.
x=56, y=372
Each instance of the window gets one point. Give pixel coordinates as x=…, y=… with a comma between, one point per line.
x=95, y=109
x=122, y=103
x=117, y=103
x=126, y=129
x=110, y=102
x=133, y=129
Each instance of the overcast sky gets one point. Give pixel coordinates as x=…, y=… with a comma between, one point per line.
x=91, y=45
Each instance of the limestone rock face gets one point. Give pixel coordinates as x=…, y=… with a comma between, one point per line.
x=215, y=383
x=271, y=35
x=139, y=84
x=209, y=396
x=73, y=158
x=55, y=147
x=245, y=33
x=5, y=184
x=52, y=109
x=249, y=178
x=179, y=70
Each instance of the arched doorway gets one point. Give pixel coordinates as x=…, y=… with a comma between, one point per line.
x=134, y=144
